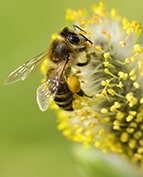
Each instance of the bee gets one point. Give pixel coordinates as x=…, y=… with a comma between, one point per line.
x=62, y=54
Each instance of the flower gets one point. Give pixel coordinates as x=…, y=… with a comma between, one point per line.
x=110, y=115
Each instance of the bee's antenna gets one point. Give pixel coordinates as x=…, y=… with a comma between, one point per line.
x=86, y=38
x=77, y=27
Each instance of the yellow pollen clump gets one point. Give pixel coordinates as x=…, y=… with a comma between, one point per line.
x=129, y=118
x=98, y=48
x=132, y=143
x=132, y=74
x=131, y=99
x=124, y=137
x=141, y=101
x=137, y=48
x=137, y=135
x=116, y=125
x=105, y=83
x=115, y=106
x=136, y=85
x=120, y=85
x=73, y=84
x=104, y=110
x=107, y=55
x=123, y=75
x=72, y=15
x=111, y=92
x=119, y=115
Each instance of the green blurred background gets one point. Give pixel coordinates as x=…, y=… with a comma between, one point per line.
x=30, y=145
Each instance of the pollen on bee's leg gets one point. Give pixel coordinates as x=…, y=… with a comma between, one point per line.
x=73, y=84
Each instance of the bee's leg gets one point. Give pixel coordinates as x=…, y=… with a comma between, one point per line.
x=81, y=93
x=82, y=49
x=83, y=64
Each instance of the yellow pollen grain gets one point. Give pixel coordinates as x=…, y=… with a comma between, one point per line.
x=124, y=137
x=106, y=55
x=104, y=110
x=132, y=59
x=111, y=92
x=136, y=85
x=140, y=150
x=133, y=113
x=98, y=48
x=141, y=101
x=132, y=72
x=133, y=125
x=120, y=85
x=115, y=106
x=137, y=48
x=119, y=115
x=131, y=99
x=133, y=78
x=123, y=75
x=133, y=102
x=105, y=83
x=129, y=118
x=113, y=12
x=125, y=23
x=132, y=143
x=130, y=130
x=106, y=64
x=127, y=60
x=130, y=30
x=116, y=125
x=137, y=135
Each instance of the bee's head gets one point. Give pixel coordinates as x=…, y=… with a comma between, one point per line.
x=74, y=37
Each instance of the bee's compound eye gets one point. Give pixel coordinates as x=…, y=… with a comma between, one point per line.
x=73, y=38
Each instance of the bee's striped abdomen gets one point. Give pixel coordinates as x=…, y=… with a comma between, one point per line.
x=64, y=96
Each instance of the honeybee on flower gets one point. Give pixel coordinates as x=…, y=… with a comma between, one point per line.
x=110, y=118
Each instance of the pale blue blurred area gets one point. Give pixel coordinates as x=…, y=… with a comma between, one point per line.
x=30, y=144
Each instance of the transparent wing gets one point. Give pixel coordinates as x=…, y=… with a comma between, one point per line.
x=46, y=94
x=25, y=70
x=47, y=91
